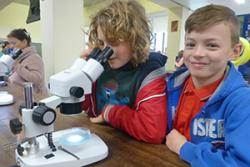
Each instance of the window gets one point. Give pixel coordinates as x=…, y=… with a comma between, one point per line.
x=159, y=23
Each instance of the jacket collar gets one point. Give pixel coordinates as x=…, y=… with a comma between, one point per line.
x=231, y=81
x=26, y=52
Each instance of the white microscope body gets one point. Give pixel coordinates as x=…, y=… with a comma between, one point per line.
x=73, y=147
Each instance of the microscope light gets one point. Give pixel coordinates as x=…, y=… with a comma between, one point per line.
x=75, y=137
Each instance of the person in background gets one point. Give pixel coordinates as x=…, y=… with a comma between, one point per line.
x=130, y=93
x=6, y=48
x=209, y=102
x=1, y=52
x=28, y=67
x=179, y=64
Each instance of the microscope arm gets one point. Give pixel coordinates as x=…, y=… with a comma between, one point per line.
x=52, y=102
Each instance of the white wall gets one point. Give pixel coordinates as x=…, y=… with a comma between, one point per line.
x=14, y=16
x=62, y=37
x=185, y=13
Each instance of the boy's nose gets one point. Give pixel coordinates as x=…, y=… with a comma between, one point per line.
x=199, y=51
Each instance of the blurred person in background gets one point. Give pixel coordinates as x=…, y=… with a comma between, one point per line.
x=28, y=67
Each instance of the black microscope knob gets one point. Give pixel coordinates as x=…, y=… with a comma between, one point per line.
x=15, y=126
x=77, y=92
x=44, y=115
x=20, y=150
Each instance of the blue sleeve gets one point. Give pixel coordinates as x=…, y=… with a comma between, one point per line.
x=237, y=140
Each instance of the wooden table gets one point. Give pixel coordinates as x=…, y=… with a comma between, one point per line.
x=124, y=151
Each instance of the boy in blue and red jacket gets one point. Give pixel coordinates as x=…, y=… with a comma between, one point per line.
x=208, y=103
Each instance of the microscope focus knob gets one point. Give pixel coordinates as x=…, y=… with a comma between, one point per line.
x=15, y=126
x=77, y=92
x=44, y=115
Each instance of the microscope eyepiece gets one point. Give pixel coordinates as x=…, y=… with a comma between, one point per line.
x=94, y=53
x=105, y=55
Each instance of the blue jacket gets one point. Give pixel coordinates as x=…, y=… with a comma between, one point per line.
x=220, y=132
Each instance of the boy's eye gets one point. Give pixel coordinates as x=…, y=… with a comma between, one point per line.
x=100, y=42
x=189, y=45
x=212, y=45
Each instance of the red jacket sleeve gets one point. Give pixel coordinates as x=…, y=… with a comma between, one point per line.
x=86, y=103
x=148, y=121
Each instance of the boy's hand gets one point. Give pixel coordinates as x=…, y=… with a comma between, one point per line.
x=175, y=140
x=98, y=119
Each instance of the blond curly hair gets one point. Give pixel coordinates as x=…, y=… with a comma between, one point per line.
x=123, y=21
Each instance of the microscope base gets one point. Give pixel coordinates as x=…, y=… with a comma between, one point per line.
x=6, y=98
x=92, y=150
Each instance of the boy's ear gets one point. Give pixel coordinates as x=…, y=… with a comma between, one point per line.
x=237, y=49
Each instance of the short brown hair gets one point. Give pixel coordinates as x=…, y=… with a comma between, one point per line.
x=123, y=21
x=210, y=15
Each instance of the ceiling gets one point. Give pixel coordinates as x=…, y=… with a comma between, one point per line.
x=25, y=2
x=91, y=2
x=194, y=4
x=190, y=4
x=4, y=3
x=165, y=3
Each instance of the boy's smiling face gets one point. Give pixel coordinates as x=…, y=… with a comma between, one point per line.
x=207, y=52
